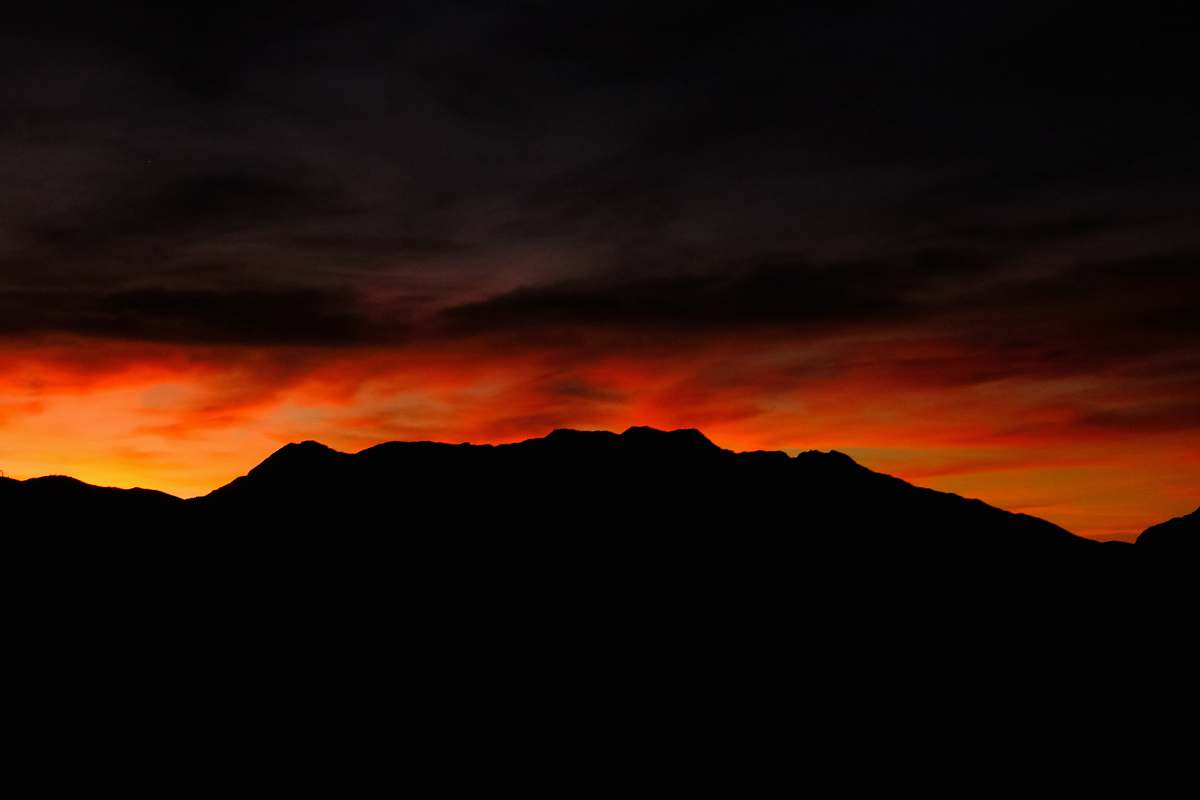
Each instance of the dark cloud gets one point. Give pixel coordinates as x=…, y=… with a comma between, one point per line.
x=367, y=246
x=205, y=202
x=1177, y=413
x=277, y=316
x=940, y=319
x=770, y=291
x=1093, y=310
x=1003, y=175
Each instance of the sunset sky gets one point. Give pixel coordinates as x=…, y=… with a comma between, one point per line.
x=958, y=241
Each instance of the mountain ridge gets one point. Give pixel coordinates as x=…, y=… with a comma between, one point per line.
x=1179, y=534
x=569, y=469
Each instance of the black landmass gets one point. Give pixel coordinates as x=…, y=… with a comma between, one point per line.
x=582, y=584
x=642, y=495
x=56, y=497
x=1177, y=536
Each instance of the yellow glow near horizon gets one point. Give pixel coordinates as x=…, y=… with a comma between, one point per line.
x=188, y=422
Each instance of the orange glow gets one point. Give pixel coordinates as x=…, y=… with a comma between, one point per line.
x=188, y=419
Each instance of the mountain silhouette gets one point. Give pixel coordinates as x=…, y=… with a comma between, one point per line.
x=660, y=485
x=1175, y=536
x=642, y=494
x=663, y=489
x=571, y=557
x=57, y=497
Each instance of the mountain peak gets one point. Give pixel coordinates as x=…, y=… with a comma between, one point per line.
x=829, y=457
x=644, y=485
x=686, y=437
x=298, y=455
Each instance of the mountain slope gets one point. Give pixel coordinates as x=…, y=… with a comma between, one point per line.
x=59, y=498
x=644, y=483
x=1179, y=535
x=643, y=493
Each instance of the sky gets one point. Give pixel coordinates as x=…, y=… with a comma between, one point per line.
x=957, y=241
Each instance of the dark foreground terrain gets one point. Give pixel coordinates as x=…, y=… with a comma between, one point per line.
x=647, y=534
x=608, y=586
x=587, y=497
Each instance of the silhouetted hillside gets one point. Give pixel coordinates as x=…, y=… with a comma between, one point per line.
x=643, y=487
x=641, y=499
x=579, y=546
x=1175, y=536
x=640, y=491
x=57, y=498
